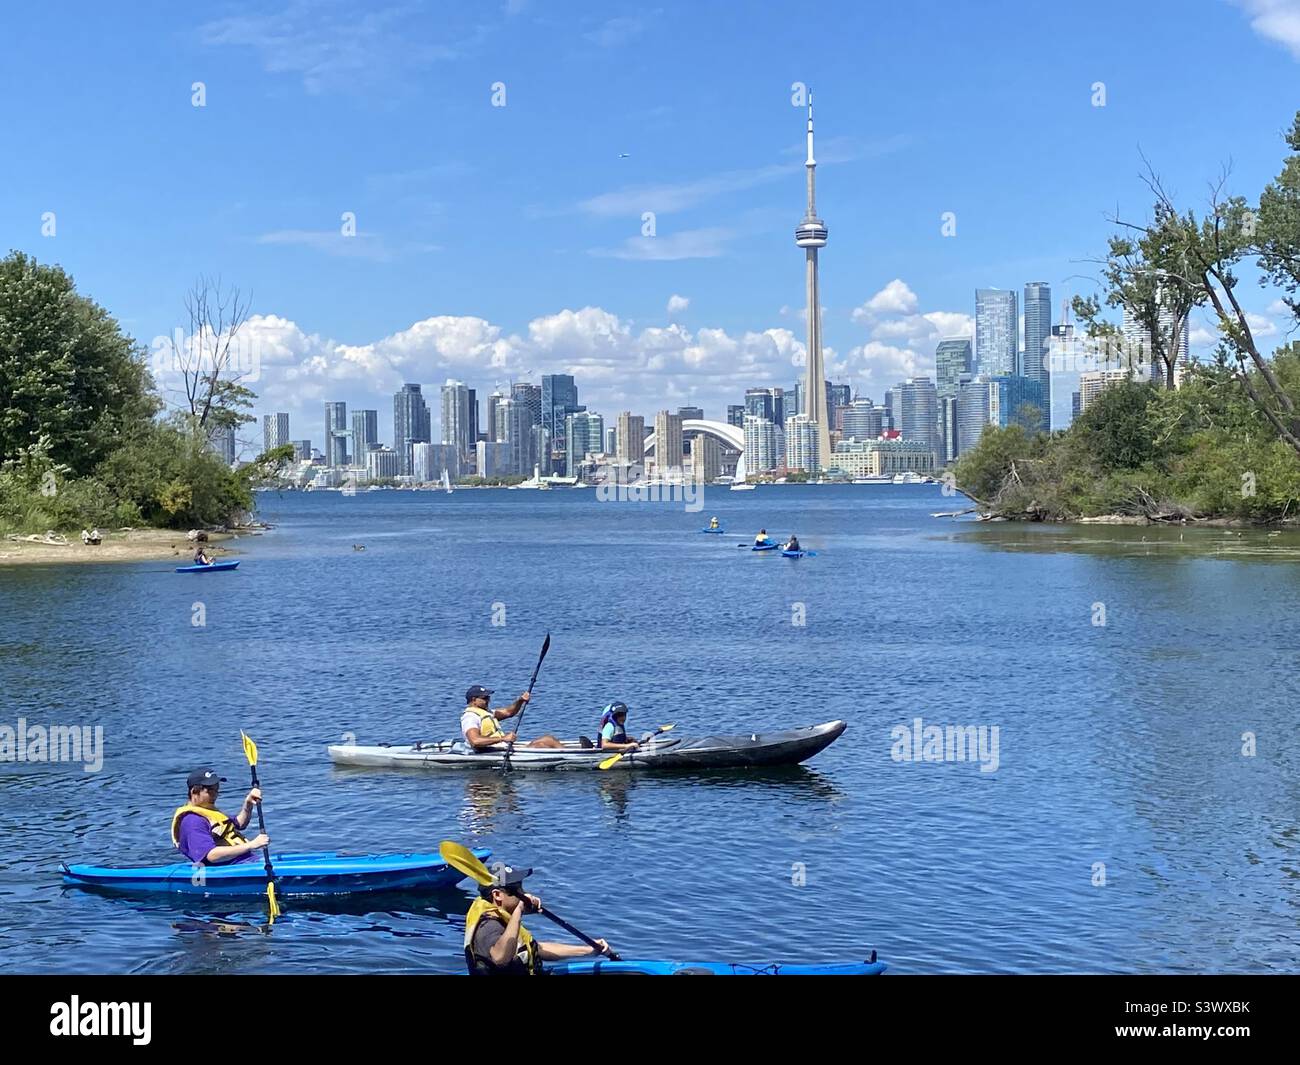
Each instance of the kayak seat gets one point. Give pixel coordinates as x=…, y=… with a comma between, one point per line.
x=585, y=743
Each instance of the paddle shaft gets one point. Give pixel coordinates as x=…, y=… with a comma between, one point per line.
x=261, y=827
x=575, y=932
x=510, y=747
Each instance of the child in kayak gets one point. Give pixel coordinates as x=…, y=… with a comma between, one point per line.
x=713, y=523
x=761, y=538
x=613, y=729
x=497, y=943
x=203, y=833
x=201, y=558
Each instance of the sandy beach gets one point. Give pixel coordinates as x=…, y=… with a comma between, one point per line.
x=135, y=545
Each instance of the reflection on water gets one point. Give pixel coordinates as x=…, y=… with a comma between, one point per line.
x=1138, y=541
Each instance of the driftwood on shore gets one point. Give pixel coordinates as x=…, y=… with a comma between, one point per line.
x=51, y=539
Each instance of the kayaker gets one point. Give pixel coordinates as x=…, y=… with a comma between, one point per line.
x=479, y=724
x=713, y=523
x=761, y=538
x=496, y=941
x=793, y=543
x=201, y=558
x=203, y=833
x=613, y=729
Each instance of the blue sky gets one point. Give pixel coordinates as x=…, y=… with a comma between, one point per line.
x=504, y=242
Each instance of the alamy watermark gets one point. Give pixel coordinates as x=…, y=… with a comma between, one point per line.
x=628, y=484
x=920, y=742
x=55, y=743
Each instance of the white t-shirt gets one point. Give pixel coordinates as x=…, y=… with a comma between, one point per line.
x=468, y=720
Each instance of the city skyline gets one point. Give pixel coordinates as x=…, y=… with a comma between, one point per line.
x=566, y=274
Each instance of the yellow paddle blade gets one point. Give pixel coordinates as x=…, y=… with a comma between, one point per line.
x=463, y=859
x=272, y=905
x=610, y=761
x=250, y=748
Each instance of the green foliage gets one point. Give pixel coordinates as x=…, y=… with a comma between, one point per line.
x=67, y=372
x=79, y=441
x=1203, y=451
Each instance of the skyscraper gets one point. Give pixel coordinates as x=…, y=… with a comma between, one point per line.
x=411, y=424
x=690, y=412
x=275, y=430
x=1038, y=331
x=1143, y=345
x=631, y=438
x=336, y=434
x=760, y=444
x=736, y=415
x=918, y=411
x=863, y=420
x=706, y=458
x=952, y=358
x=997, y=330
x=668, y=442
x=222, y=442
x=584, y=432
x=801, y=444
x=811, y=235
x=559, y=400
x=495, y=432
x=455, y=418
x=365, y=432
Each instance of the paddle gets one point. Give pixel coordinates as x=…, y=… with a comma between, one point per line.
x=250, y=752
x=623, y=754
x=464, y=860
x=546, y=646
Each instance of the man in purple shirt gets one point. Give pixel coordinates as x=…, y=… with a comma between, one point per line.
x=203, y=833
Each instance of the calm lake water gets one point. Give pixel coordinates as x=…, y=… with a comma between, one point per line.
x=1120, y=745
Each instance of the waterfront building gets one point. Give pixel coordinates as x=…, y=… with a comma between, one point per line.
x=669, y=445
x=706, y=458
x=222, y=442
x=736, y=415
x=691, y=412
x=997, y=329
x=456, y=421
x=584, y=433
x=412, y=423
x=801, y=441
x=1094, y=382
x=760, y=444
x=275, y=430
x=1036, y=363
x=365, y=434
x=429, y=460
x=952, y=358
x=862, y=420
x=336, y=434
x=631, y=439
x=383, y=463
x=302, y=451
x=883, y=458
x=559, y=400
x=917, y=411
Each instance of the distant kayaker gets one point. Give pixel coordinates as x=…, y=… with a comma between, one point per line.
x=793, y=543
x=613, y=729
x=479, y=724
x=713, y=523
x=203, y=833
x=761, y=538
x=201, y=558
x=496, y=941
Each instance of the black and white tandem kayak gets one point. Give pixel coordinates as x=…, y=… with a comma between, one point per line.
x=664, y=752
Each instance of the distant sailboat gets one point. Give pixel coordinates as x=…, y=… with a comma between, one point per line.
x=446, y=480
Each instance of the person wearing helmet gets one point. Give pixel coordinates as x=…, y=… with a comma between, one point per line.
x=613, y=729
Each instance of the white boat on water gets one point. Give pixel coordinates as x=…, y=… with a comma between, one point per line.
x=446, y=481
x=742, y=487
x=910, y=477
x=873, y=480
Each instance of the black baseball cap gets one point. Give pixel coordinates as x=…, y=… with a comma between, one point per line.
x=618, y=708
x=507, y=878
x=203, y=778
x=475, y=692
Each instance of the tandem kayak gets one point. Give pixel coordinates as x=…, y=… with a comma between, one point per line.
x=296, y=875
x=662, y=752
x=207, y=569
x=769, y=546
x=631, y=967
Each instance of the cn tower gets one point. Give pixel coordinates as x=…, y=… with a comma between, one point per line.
x=811, y=235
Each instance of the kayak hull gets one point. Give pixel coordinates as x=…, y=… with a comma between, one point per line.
x=208, y=569
x=296, y=876
x=663, y=753
x=713, y=532
x=793, y=554
x=633, y=967
x=765, y=547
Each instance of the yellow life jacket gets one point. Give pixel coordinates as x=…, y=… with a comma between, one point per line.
x=223, y=828
x=527, y=950
x=487, y=722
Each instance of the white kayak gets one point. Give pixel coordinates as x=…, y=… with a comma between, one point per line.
x=663, y=752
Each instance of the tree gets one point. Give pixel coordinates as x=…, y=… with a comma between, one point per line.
x=67, y=372
x=208, y=357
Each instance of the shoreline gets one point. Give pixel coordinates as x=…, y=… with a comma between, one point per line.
x=132, y=545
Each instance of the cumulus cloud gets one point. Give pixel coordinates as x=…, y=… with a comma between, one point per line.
x=895, y=298
x=902, y=338
x=1278, y=20
x=677, y=304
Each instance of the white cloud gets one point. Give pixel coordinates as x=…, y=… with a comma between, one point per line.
x=668, y=198
x=894, y=298
x=620, y=30
x=677, y=304
x=1278, y=20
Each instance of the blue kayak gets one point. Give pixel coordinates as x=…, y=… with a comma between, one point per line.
x=632, y=967
x=298, y=875
x=716, y=532
x=207, y=569
x=769, y=546
x=793, y=554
